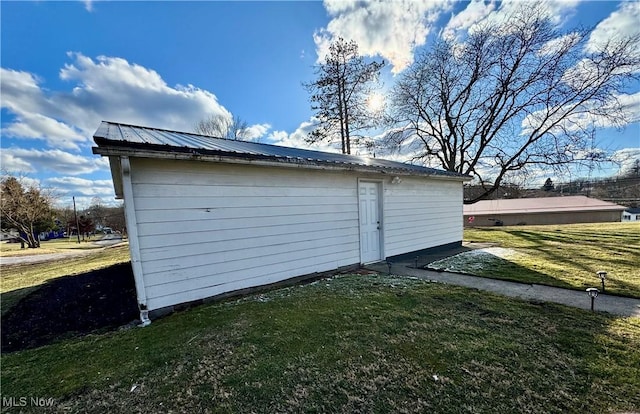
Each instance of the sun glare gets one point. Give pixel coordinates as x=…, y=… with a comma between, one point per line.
x=375, y=102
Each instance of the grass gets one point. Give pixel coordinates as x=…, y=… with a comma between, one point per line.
x=48, y=246
x=565, y=256
x=20, y=280
x=356, y=343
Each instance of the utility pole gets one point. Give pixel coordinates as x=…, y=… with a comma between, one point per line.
x=75, y=213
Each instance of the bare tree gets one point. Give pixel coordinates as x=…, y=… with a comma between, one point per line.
x=64, y=216
x=222, y=127
x=97, y=212
x=516, y=93
x=105, y=216
x=634, y=170
x=339, y=94
x=115, y=218
x=25, y=208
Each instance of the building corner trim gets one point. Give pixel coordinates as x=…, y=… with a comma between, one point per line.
x=134, y=246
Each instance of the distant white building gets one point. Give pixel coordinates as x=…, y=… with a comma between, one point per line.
x=631, y=214
x=208, y=216
x=9, y=234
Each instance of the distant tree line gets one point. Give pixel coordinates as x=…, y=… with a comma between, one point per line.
x=29, y=209
x=92, y=219
x=623, y=190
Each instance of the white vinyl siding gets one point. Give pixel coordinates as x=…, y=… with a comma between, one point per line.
x=421, y=213
x=207, y=228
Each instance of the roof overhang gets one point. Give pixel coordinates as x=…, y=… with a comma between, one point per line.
x=116, y=151
x=116, y=141
x=116, y=175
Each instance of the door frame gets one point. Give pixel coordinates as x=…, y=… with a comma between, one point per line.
x=380, y=186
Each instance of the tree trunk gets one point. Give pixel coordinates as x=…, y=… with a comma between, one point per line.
x=345, y=115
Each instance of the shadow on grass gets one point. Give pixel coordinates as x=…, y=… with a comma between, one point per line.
x=541, y=244
x=494, y=267
x=69, y=306
x=10, y=298
x=581, y=257
x=424, y=258
x=571, y=257
x=353, y=344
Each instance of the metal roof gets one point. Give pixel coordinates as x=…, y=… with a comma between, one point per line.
x=120, y=139
x=539, y=205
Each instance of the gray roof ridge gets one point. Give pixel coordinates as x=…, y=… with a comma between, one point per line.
x=255, y=143
x=250, y=146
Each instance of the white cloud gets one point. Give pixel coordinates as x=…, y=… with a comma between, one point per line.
x=106, y=88
x=561, y=43
x=114, y=89
x=25, y=160
x=84, y=191
x=559, y=11
x=15, y=82
x=391, y=29
x=22, y=96
x=626, y=158
x=621, y=23
x=81, y=186
x=256, y=132
x=394, y=29
x=480, y=12
x=298, y=138
x=627, y=113
x=630, y=104
x=37, y=126
x=476, y=11
x=13, y=164
x=88, y=5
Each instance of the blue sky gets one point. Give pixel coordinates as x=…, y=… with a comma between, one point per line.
x=68, y=65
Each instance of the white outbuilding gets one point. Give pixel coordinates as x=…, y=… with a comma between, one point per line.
x=209, y=216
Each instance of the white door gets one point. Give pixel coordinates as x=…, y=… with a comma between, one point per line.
x=370, y=222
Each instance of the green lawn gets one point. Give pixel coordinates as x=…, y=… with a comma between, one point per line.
x=49, y=246
x=19, y=280
x=356, y=343
x=565, y=256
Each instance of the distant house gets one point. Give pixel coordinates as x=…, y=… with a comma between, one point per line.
x=11, y=234
x=631, y=214
x=547, y=210
x=209, y=216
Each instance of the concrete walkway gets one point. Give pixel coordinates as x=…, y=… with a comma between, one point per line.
x=40, y=258
x=604, y=303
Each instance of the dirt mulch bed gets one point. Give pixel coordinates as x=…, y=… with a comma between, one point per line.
x=71, y=306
